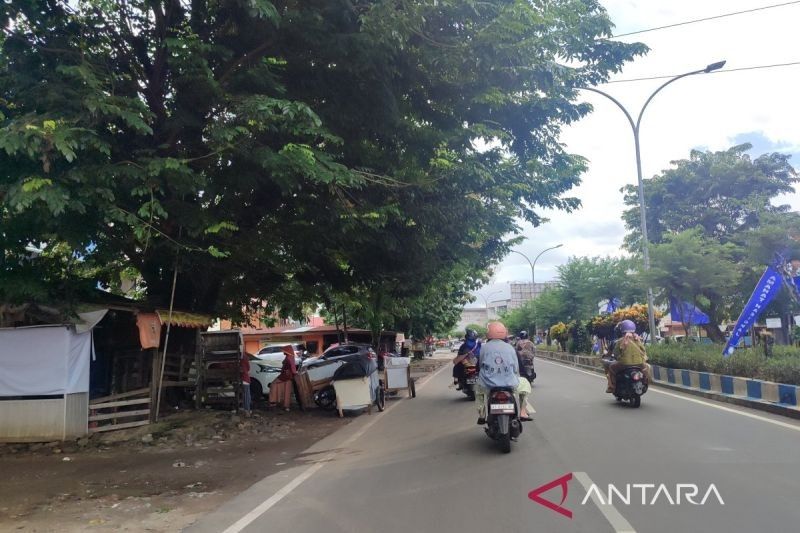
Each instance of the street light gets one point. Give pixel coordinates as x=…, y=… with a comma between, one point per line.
x=533, y=278
x=486, y=301
x=636, y=127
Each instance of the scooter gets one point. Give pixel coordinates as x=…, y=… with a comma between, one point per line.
x=631, y=384
x=468, y=381
x=502, y=421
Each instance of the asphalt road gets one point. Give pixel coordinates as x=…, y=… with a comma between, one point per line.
x=425, y=466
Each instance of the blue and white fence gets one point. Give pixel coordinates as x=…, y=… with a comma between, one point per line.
x=754, y=390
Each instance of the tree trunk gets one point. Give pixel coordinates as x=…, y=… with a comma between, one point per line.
x=714, y=333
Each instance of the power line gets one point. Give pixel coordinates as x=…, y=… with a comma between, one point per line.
x=695, y=21
x=757, y=67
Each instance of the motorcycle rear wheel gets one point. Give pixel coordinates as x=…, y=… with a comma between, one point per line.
x=505, y=443
x=636, y=401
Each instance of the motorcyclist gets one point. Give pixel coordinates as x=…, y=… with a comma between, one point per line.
x=628, y=351
x=525, y=353
x=471, y=347
x=498, y=368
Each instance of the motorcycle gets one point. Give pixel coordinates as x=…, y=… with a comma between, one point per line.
x=631, y=384
x=526, y=369
x=468, y=380
x=502, y=421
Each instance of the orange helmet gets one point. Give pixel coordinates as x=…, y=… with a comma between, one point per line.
x=496, y=330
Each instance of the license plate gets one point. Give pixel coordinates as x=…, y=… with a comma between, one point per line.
x=638, y=387
x=471, y=381
x=501, y=408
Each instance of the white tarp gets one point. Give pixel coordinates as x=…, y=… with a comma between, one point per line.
x=45, y=360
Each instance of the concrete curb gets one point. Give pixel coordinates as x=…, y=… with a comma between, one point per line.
x=776, y=398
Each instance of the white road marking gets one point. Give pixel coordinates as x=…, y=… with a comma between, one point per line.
x=270, y=502
x=611, y=513
x=786, y=425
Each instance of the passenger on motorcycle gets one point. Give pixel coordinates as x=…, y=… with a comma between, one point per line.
x=470, y=348
x=627, y=351
x=525, y=353
x=498, y=368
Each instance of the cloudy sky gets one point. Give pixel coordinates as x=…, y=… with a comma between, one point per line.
x=711, y=111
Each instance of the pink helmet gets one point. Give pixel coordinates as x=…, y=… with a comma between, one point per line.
x=496, y=330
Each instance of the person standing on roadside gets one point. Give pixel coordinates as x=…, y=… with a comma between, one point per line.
x=280, y=390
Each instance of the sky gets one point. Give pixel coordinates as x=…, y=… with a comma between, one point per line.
x=707, y=111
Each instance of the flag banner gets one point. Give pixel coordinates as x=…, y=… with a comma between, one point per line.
x=686, y=313
x=766, y=289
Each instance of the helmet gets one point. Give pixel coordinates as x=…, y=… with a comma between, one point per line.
x=471, y=335
x=496, y=330
x=523, y=334
x=627, y=326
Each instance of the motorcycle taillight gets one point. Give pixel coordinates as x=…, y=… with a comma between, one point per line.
x=501, y=396
x=636, y=376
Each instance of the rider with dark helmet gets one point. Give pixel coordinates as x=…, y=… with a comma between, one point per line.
x=525, y=353
x=470, y=344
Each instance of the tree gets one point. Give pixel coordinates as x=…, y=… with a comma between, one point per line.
x=690, y=267
x=290, y=151
x=722, y=192
x=585, y=281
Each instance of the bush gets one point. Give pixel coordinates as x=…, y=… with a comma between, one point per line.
x=578, y=338
x=744, y=363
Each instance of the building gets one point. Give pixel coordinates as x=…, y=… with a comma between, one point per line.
x=524, y=292
x=472, y=315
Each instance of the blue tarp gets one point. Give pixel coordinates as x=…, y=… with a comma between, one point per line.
x=686, y=313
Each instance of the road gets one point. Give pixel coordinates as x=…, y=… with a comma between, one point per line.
x=425, y=466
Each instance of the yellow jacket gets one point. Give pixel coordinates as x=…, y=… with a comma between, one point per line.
x=633, y=354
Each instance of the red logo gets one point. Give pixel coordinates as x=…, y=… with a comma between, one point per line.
x=535, y=495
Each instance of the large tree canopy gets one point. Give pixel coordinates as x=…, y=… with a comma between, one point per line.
x=722, y=192
x=290, y=150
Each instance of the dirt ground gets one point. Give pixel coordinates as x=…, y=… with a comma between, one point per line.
x=161, y=477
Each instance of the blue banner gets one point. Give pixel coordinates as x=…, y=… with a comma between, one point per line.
x=768, y=286
x=686, y=313
x=613, y=304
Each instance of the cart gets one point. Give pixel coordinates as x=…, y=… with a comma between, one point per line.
x=397, y=376
x=357, y=385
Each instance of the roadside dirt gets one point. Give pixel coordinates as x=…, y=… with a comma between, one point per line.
x=161, y=477
x=158, y=478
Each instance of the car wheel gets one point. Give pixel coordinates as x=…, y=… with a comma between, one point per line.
x=380, y=398
x=325, y=398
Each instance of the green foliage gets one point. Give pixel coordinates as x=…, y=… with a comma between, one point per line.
x=723, y=193
x=749, y=363
x=585, y=281
x=698, y=270
x=578, y=338
x=289, y=151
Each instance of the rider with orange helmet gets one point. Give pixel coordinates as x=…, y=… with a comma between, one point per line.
x=498, y=368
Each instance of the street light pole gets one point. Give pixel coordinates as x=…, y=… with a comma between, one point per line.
x=486, y=301
x=533, y=277
x=636, y=127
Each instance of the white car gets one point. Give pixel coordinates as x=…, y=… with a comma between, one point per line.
x=273, y=354
x=262, y=374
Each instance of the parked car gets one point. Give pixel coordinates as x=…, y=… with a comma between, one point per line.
x=273, y=353
x=342, y=352
x=262, y=374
